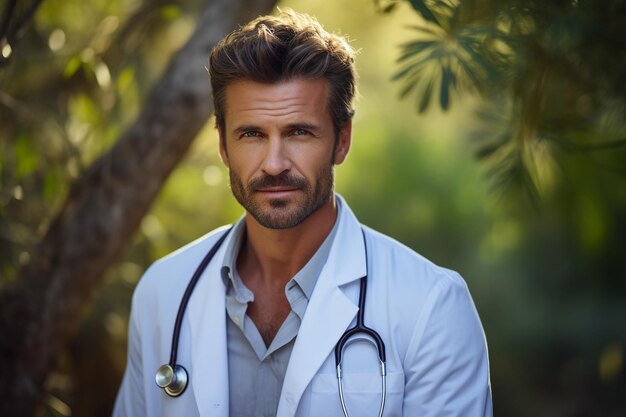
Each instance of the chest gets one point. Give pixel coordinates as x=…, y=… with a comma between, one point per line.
x=268, y=311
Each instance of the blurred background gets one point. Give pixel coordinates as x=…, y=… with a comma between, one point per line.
x=490, y=137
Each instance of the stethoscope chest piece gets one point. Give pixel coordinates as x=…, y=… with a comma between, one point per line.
x=172, y=379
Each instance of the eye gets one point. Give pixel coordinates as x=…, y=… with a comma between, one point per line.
x=251, y=134
x=301, y=132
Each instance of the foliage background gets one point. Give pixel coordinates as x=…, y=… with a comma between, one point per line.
x=548, y=278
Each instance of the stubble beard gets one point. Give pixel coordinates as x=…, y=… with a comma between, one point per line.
x=281, y=213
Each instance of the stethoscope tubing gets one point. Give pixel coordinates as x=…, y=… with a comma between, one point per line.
x=173, y=378
x=187, y=295
x=373, y=338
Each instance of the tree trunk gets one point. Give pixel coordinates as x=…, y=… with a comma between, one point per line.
x=41, y=310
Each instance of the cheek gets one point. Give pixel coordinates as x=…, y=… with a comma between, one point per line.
x=316, y=155
x=313, y=168
x=245, y=168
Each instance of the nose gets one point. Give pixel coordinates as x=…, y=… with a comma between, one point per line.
x=276, y=159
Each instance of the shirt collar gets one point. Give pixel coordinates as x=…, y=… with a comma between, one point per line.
x=306, y=278
x=230, y=258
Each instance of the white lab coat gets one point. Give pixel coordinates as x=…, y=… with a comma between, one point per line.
x=437, y=362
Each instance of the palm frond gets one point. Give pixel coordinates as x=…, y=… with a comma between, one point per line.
x=424, y=10
x=455, y=60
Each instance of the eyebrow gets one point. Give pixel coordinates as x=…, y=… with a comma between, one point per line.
x=290, y=126
x=246, y=128
x=307, y=126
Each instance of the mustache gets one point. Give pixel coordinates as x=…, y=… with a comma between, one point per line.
x=283, y=179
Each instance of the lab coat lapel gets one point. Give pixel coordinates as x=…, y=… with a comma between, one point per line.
x=328, y=314
x=209, y=354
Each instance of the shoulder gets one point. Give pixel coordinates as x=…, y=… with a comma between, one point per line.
x=430, y=299
x=414, y=289
x=394, y=265
x=409, y=267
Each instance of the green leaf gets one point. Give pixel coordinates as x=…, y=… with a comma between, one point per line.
x=426, y=94
x=448, y=80
x=456, y=14
x=490, y=70
x=125, y=79
x=170, y=12
x=438, y=53
x=389, y=8
x=415, y=48
x=426, y=29
x=72, y=66
x=422, y=9
x=467, y=67
x=26, y=156
x=487, y=150
x=83, y=107
x=410, y=82
x=406, y=70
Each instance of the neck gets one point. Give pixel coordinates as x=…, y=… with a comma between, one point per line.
x=274, y=256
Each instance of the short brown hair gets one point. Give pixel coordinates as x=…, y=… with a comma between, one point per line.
x=272, y=49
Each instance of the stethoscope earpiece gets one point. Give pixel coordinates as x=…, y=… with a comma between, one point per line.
x=172, y=379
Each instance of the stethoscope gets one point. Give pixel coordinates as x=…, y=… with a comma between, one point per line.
x=173, y=378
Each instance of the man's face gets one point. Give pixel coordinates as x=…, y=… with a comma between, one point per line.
x=279, y=144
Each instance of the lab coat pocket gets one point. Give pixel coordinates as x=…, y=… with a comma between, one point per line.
x=362, y=394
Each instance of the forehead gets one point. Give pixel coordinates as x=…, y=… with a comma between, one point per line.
x=293, y=100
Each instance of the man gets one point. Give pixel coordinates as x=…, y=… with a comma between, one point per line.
x=259, y=333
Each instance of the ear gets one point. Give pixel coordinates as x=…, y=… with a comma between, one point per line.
x=223, y=152
x=343, y=143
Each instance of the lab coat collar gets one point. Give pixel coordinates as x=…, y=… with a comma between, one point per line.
x=346, y=261
x=329, y=312
x=328, y=315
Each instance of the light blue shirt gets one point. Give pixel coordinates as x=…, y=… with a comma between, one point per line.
x=255, y=371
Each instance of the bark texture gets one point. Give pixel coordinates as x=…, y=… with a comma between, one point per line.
x=41, y=310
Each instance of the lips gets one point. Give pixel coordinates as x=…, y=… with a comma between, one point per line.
x=277, y=189
x=278, y=193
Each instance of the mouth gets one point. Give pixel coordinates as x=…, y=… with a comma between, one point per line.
x=283, y=186
x=277, y=191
